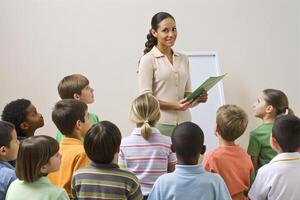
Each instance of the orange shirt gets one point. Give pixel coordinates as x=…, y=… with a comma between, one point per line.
x=235, y=167
x=73, y=158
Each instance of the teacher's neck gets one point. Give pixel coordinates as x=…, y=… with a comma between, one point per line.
x=165, y=50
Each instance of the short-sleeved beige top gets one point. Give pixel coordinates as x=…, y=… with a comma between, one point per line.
x=166, y=82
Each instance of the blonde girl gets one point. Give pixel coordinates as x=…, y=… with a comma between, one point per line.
x=146, y=152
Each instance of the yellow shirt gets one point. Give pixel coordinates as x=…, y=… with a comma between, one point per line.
x=73, y=158
x=166, y=82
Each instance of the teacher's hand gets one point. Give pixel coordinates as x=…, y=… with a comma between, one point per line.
x=202, y=98
x=182, y=105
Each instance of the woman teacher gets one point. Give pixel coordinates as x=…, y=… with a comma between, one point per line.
x=165, y=73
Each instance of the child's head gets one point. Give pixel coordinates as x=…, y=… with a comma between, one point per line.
x=102, y=142
x=145, y=113
x=76, y=86
x=24, y=116
x=70, y=116
x=272, y=102
x=286, y=134
x=188, y=142
x=9, y=144
x=231, y=122
x=38, y=156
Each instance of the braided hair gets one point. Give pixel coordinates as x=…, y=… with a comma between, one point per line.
x=156, y=19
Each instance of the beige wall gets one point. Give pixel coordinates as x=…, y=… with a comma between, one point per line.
x=43, y=40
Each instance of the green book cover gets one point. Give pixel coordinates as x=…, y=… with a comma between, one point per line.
x=205, y=86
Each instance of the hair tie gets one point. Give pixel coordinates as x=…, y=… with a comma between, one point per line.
x=146, y=121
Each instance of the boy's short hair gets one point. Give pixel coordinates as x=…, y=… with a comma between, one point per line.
x=286, y=130
x=15, y=113
x=34, y=152
x=187, y=139
x=72, y=84
x=66, y=113
x=102, y=141
x=6, y=129
x=232, y=122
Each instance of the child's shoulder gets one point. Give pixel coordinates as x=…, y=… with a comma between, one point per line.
x=261, y=129
x=93, y=118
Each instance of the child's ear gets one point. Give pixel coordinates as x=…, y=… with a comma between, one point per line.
x=274, y=144
x=269, y=109
x=173, y=148
x=217, y=130
x=24, y=126
x=76, y=96
x=78, y=124
x=44, y=169
x=203, y=149
x=3, y=151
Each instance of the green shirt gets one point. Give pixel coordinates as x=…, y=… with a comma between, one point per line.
x=37, y=190
x=93, y=118
x=259, y=144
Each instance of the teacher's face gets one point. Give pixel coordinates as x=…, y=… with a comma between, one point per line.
x=166, y=33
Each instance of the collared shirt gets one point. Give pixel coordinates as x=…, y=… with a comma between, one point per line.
x=234, y=166
x=7, y=175
x=147, y=159
x=278, y=180
x=73, y=158
x=37, y=190
x=105, y=181
x=167, y=82
x=189, y=182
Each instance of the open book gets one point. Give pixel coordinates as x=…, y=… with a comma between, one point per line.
x=205, y=86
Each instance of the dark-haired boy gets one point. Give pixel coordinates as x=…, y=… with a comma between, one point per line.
x=189, y=180
x=23, y=114
x=103, y=179
x=229, y=160
x=280, y=179
x=71, y=118
x=9, y=146
x=76, y=86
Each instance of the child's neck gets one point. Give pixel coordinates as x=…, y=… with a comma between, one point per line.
x=268, y=119
x=74, y=135
x=189, y=161
x=28, y=133
x=225, y=143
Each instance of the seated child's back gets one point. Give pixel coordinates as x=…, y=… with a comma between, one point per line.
x=103, y=179
x=229, y=160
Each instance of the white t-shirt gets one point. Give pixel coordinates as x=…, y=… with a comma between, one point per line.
x=278, y=180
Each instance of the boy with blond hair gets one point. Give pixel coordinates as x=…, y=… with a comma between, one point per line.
x=230, y=160
x=71, y=118
x=76, y=86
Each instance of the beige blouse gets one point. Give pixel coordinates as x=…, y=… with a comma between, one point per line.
x=167, y=82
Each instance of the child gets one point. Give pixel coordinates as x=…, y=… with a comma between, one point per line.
x=229, y=160
x=269, y=105
x=189, y=180
x=103, y=179
x=280, y=179
x=146, y=152
x=71, y=118
x=9, y=145
x=38, y=156
x=76, y=86
x=23, y=114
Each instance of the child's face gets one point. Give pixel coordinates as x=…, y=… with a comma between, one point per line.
x=54, y=163
x=12, y=150
x=87, y=95
x=86, y=125
x=260, y=107
x=34, y=120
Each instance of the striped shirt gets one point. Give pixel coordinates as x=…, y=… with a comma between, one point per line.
x=105, y=181
x=147, y=159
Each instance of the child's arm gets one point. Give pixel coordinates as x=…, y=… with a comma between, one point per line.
x=172, y=160
x=254, y=160
x=171, y=167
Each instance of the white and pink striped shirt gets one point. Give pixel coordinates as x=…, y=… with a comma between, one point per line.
x=147, y=159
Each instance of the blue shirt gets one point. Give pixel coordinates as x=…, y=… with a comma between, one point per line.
x=189, y=182
x=7, y=175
